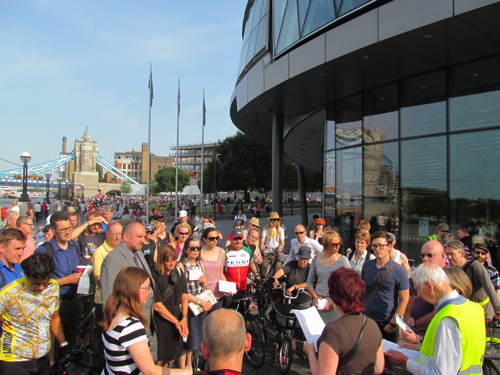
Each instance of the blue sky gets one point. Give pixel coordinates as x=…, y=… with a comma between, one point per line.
x=67, y=65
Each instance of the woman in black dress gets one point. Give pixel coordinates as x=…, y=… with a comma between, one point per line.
x=171, y=305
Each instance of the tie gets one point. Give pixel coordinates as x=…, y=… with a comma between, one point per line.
x=137, y=261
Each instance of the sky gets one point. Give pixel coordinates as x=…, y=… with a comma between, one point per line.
x=68, y=65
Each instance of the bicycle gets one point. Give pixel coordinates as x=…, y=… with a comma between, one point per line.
x=287, y=328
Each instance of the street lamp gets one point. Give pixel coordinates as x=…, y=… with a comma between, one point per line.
x=59, y=180
x=48, y=176
x=215, y=182
x=25, y=158
x=66, y=190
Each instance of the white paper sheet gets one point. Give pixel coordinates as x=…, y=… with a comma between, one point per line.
x=207, y=295
x=195, y=274
x=412, y=354
x=311, y=323
x=402, y=324
x=227, y=286
x=322, y=303
x=84, y=282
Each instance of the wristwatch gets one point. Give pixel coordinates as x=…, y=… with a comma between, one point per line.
x=198, y=302
x=185, y=316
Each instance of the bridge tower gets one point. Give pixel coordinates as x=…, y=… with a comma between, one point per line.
x=85, y=171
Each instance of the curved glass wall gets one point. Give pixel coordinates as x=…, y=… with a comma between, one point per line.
x=416, y=153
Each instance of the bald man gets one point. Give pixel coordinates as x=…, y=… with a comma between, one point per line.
x=224, y=342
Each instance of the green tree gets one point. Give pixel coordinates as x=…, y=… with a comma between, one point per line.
x=164, y=180
x=126, y=187
x=244, y=164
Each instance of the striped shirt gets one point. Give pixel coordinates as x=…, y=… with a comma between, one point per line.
x=116, y=341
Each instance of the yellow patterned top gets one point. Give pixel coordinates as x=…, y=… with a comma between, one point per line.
x=26, y=320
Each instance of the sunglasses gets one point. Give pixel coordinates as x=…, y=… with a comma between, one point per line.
x=238, y=238
x=335, y=244
x=297, y=233
x=183, y=233
x=194, y=248
x=212, y=238
x=275, y=219
x=480, y=252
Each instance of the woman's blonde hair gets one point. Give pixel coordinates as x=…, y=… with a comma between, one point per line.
x=182, y=225
x=459, y=280
x=329, y=235
x=125, y=296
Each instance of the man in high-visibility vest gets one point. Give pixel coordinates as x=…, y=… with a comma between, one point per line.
x=441, y=229
x=454, y=342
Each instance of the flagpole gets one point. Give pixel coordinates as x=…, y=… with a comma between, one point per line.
x=204, y=111
x=150, y=86
x=177, y=149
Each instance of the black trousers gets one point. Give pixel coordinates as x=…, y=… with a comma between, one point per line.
x=69, y=310
x=40, y=366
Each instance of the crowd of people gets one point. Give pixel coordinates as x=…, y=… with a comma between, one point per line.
x=161, y=294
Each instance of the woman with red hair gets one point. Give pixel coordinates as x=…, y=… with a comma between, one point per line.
x=338, y=348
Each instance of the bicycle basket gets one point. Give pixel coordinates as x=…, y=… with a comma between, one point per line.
x=281, y=317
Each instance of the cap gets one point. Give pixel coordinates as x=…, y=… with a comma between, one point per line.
x=443, y=227
x=183, y=213
x=320, y=221
x=304, y=252
x=239, y=222
x=236, y=233
x=150, y=229
x=481, y=246
x=255, y=221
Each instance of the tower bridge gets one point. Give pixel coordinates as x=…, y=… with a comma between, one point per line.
x=76, y=170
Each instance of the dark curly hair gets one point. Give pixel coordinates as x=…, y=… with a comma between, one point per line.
x=38, y=266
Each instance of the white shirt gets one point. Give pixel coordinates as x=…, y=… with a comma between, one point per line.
x=15, y=209
x=314, y=245
x=447, y=348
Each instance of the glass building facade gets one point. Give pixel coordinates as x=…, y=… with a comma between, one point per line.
x=418, y=150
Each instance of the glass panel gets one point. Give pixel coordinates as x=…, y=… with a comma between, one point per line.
x=348, y=134
x=475, y=111
x=381, y=182
x=474, y=178
x=424, y=190
x=278, y=14
x=345, y=6
x=260, y=43
x=329, y=192
x=303, y=7
x=423, y=119
x=349, y=191
x=289, y=32
x=320, y=13
x=381, y=127
x=251, y=46
x=330, y=135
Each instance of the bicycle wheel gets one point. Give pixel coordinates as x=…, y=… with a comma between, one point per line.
x=285, y=355
x=257, y=353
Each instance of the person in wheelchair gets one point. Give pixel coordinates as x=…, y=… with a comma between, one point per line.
x=296, y=273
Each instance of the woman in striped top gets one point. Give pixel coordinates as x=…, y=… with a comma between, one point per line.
x=125, y=343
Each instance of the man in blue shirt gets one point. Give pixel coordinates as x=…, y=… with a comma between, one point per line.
x=65, y=254
x=387, y=286
x=12, y=243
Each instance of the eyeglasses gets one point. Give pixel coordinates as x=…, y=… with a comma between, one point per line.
x=212, y=238
x=297, y=233
x=238, y=238
x=379, y=246
x=426, y=255
x=480, y=252
x=145, y=288
x=194, y=248
x=335, y=244
x=29, y=224
x=183, y=233
x=68, y=229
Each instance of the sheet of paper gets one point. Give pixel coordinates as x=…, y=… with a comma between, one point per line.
x=412, y=354
x=84, y=282
x=322, y=303
x=227, y=286
x=195, y=274
x=311, y=323
x=402, y=324
x=207, y=295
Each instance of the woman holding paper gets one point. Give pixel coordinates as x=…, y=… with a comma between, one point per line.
x=191, y=265
x=171, y=305
x=353, y=343
x=322, y=266
x=213, y=258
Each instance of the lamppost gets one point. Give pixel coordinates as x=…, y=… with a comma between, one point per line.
x=59, y=180
x=48, y=176
x=25, y=158
x=215, y=182
x=66, y=190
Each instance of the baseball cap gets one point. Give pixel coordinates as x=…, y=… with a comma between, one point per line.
x=183, y=213
x=236, y=233
x=150, y=229
x=443, y=227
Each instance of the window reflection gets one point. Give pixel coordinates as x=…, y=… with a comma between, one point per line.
x=475, y=111
x=330, y=135
x=423, y=119
x=474, y=178
x=329, y=178
x=381, y=180
x=349, y=182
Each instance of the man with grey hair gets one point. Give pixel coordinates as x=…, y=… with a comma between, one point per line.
x=454, y=341
x=483, y=291
x=224, y=342
x=11, y=220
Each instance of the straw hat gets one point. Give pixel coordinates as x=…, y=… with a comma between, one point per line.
x=255, y=221
x=274, y=215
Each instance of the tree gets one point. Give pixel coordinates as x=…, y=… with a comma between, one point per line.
x=244, y=164
x=126, y=187
x=164, y=180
